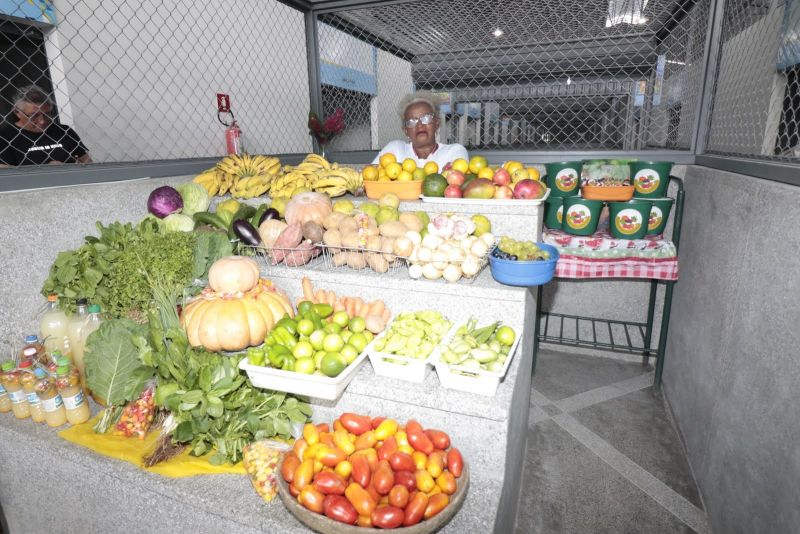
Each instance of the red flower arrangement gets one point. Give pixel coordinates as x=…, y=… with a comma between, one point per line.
x=324, y=131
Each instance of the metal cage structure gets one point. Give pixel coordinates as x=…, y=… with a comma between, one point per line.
x=714, y=82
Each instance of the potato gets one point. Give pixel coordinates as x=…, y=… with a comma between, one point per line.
x=348, y=225
x=339, y=259
x=351, y=240
x=387, y=247
x=403, y=247
x=393, y=229
x=333, y=220
x=355, y=260
x=377, y=262
x=411, y=221
x=374, y=243
x=332, y=238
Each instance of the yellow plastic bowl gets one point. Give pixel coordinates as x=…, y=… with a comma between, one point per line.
x=404, y=190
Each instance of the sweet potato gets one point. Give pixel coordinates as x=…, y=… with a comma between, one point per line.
x=302, y=255
x=291, y=237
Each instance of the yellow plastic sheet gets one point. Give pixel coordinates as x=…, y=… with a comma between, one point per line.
x=132, y=450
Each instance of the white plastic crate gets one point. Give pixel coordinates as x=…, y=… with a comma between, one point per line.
x=479, y=381
x=400, y=367
x=319, y=387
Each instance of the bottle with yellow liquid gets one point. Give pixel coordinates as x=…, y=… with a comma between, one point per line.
x=11, y=383
x=28, y=378
x=92, y=323
x=33, y=350
x=53, y=407
x=75, y=324
x=5, y=400
x=53, y=327
x=68, y=384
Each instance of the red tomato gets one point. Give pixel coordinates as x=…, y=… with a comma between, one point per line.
x=401, y=461
x=304, y=474
x=420, y=442
x=383, y=479
x=330, y=456
x=398, y=496
x=415, y=509
x=439, y=439
x=293, y=490
x=329, y=483
x=388, y=517
x=455, y=462
x=340, y=509
x=366, y=440
x=388, y=447
x=413, y=426
x=289, y=466
x=311, y=499
x=323, y=427
x=361, y=474
x=357, y=424
x=447, y=483
x=374, y=494
x=407, y=479
x=360, y=499
x=436, y=504
x=376, y=422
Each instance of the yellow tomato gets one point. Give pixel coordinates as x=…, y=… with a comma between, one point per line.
x=486, y=172
x=476, y=163
x=409, y=165
x=431, y=168
x=370, y=172
x=393, y=170
x=387, y=158
x=461, y=165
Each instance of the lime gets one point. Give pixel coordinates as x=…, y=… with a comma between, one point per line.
x=332, y=343
x=346, y=335
x=305, y=327
x=332, y=328
x=332, y=364
x=359, y=341
x=369, y=336
x=357, y=324
x=341, y=318
x=434, y=185
x=505, y=335
x=305, y=307
x=303, y=349
x=316, y=339
x=318, y=357
x=323, y=310
x=349, y=353
x=305, y=366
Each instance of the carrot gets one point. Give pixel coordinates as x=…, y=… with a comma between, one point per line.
x=386, y=315
x=338, y=306
x=308, y=291
x=359, y=307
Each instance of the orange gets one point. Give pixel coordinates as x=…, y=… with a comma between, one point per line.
x=486, y=172
x=534, y=173
x=477, y=163
x=461, y=165
x=409, y=165
x=387, y=158
x=382, y=175
x=404, y=176
x=431, y=168
x=393, y=170
x=512, y=166
x=370, y=172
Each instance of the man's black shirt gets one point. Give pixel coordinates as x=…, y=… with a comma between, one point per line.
x=56, y=143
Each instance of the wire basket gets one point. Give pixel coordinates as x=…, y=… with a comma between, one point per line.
x=288, y=257
x=360, y=259
x=443, y=266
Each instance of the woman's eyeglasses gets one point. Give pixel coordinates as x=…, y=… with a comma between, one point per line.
x=425, y=119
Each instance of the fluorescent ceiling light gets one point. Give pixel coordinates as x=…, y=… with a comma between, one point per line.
x=676, y=62
x=626, y=12
x=498, y=32
x=569, y=80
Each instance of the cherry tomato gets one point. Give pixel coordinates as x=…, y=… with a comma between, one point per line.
x=364, y=521
x=413, y=426
x=425, y=481
x=436, y=504
x=366, y=440
x=402, y=438
x=415, y=509
x=339, y=509
x=371, y=455
x=329, y=483
x=299, y=448
x=383, y=479
x=326, y=438
x=312, y=450
x=385, y=429
x=435, y=464
x=387, y=448
x=420, y=442
x=401, y=461
x=311, y=499
x=304, y=474
x=362, y=474
x=310, y=434
x=289, y=466
x=388, y=517
x=376, y=422
x=330, y=457
x=342, y=441
x=357, y=424
x=344, y=469
x=439, y=439
x=420, y=460
x=337, y=425
x=360, y=499
x=455, y=462
x=407, y=479
x=374, y=493
x=447, y=482
x=398, y=496
x=323, y=427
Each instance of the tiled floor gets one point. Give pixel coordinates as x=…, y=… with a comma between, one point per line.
x=603, y=456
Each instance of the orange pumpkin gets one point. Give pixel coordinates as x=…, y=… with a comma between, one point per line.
x=234, y=321
x=233, y=273
x=307, y=207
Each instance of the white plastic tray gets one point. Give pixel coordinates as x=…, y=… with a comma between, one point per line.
x=485, y=201
x=411, y=370
x=319, y=387
x=473, y=381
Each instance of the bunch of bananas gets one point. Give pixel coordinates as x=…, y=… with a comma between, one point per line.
x=315, y=173
x=243, y=176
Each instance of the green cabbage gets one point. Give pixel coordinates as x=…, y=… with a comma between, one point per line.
x=195, y=198
x=178, y=222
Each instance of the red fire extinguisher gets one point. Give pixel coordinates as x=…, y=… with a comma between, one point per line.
x=233, y=136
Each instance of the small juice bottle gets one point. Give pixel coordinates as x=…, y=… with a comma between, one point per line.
x=68, y=384
x=52, y=405
x=33, y=350
x=53, y=327
x=10, y=379
x=28, y=379
x=5, y=401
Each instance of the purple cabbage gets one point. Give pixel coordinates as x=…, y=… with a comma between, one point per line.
x=163, y=201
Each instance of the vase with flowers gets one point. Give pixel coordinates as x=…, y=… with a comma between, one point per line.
x=325, y=130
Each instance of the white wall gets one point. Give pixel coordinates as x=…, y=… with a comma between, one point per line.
x=141, y=77
x=394, y=82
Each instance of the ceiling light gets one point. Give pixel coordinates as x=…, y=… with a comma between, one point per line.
x=498, y=32
x=569, y=80
x=626, y=12
x=676, y=62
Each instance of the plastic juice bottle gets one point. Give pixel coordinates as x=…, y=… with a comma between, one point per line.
x=53, y=327
x=52, y=405
x=52, y=361
x=75, y=325
x=33, y=350
x=93, y=322
x=28, y=379
x=5, y=400
x=69, y=387
x=11, y=383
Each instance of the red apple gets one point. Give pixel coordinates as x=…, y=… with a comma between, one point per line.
x=504, y=192
x=529, y=189
x=455, y=178
x=452, y=191
x=501, y=177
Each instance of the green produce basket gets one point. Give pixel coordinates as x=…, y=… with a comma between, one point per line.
x=581, y=215
x=553, y=209
x=628, y=220
x=659, y=214
x=650, y=178
x=564, y=178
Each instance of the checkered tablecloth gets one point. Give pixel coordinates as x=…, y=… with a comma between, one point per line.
x=603, y=256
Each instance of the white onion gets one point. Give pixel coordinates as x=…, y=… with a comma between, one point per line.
x=415, y=271
x=452, y=273
x=430, y=272
x=439, y=259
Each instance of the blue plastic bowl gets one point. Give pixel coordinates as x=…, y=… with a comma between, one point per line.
x=525, y=273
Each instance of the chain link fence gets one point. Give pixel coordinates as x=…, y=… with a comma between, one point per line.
x=532, y=74
x=756, y=103
x=137, y=79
